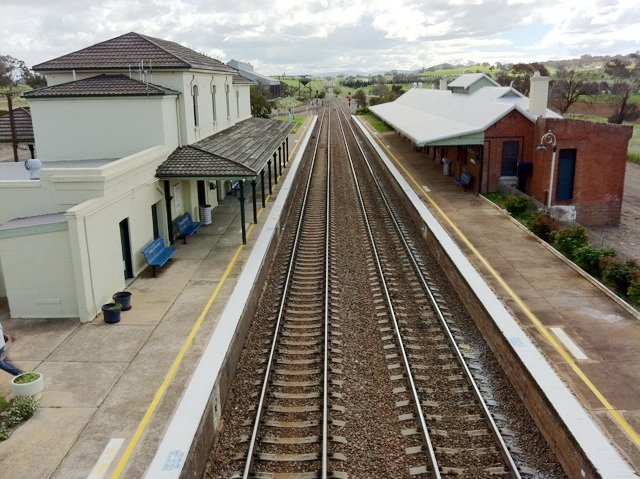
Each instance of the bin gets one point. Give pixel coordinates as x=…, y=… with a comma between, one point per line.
x=446, y=166
x=205, y=214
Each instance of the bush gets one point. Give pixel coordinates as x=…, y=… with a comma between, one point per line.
x=516, y=205
x=4, y=432
x=21, y=409
x=588, y=258
x=616, y=273
x=362, y=111
x=542, y=225
x=634, y=290
x=568, y=241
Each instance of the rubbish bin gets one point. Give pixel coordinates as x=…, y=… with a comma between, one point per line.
x=446, y=166
x=205, y=214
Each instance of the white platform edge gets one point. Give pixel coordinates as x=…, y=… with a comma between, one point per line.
x=178, y=437
x=602, y=454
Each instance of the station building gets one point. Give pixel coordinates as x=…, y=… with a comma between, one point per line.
x=130, y=134
x=271, y=86
x=493, y=132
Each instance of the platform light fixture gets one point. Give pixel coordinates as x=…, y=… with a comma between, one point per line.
x=550, y=139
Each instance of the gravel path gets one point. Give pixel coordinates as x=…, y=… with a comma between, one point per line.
x=625, y=238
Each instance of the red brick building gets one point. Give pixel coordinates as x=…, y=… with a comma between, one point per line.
x=492, y=133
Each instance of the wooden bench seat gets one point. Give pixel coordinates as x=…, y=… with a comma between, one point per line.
x=186, y=226
x=157, y=253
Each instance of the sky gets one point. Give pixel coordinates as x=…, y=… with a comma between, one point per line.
x=319, y=36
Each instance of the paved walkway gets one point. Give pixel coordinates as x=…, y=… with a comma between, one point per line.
x=101, y=379
x=555, y=295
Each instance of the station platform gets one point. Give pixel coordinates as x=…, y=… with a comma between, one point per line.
x=589, y=337
x=110, y=390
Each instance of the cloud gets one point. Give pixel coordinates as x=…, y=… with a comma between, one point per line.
x=328, y=35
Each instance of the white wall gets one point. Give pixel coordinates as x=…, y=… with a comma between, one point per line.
x=83, y=129
x=41, y=283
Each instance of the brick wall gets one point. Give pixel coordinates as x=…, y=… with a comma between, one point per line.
x=601, y=156
x=512, y=127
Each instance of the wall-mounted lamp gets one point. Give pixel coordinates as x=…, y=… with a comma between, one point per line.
x=550, y=139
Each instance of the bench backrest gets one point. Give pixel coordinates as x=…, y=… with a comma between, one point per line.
x=154, y=248
x=184, y=221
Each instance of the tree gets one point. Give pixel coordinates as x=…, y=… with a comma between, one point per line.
x=10, y=70
x=519, y=75
x=626, y=81
x=260, y=105
x=568, y=86
x=360, y=98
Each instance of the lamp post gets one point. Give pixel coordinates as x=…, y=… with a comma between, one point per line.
x=550, y=139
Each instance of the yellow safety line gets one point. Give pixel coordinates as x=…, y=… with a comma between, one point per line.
x=617, y=417
x=185, y=347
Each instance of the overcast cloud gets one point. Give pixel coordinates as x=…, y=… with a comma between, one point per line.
x=316, y=36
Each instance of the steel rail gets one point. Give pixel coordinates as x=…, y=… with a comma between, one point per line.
x=435, y=471
x=504, y=450
x=270, y=361
x=325, y=386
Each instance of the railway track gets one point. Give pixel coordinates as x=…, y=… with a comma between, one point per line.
x=365, y=372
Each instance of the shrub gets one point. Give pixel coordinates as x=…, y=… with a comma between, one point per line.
x=616, y=273
x=543, y=226
x=4, y=432
x=516, y=205
x=568, y=241
x=21, y=409
x=362, y=111
x=588, y=258
x=634, y=290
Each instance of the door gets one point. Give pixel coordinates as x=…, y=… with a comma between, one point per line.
x=125, y=242
x=566, y=174
x=154, y=220
x=510, y=158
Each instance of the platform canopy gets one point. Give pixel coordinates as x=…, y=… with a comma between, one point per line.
x=241, y=151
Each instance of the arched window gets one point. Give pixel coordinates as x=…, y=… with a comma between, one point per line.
x=226, y=91
x=213, y=103
x=238, y=103
x=194, y=93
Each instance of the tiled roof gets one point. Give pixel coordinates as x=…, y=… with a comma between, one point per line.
x=24, y=127
x=240, y=151
x=101, y=85
x=238, y=79
x=129, y=50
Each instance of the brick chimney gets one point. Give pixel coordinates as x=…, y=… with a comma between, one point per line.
x=539, y=94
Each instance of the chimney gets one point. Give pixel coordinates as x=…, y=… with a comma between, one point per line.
x=539, y=95
x=443, y=83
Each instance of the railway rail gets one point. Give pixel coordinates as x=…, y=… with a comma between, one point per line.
x=366, y=371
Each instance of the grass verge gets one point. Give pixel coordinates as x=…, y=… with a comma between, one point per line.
x=297, y=120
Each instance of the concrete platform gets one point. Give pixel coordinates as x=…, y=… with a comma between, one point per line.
x=110, y=390
x=590, y=339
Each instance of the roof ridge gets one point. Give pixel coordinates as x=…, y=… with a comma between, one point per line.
x=220, y=156
x=151, y=40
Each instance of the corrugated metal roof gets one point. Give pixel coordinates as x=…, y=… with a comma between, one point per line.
x=101, y=85
x=23, y=124
x=428, y=115
x=468, y=79
x=129, y=50
x=237, y=152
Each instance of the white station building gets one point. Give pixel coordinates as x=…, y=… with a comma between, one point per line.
x=130, y=134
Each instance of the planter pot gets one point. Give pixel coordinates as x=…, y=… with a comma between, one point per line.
x=27, y=389
x=124, y=298
x=111, y=312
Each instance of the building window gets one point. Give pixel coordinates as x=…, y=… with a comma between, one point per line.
x=194, y=93
x=510, y=158
x=566, y=174
x=213, y=102
x=238, y=103
x=226, y=91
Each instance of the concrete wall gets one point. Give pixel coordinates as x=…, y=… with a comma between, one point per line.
x=94, y=231
x=41, y=283
x=98, y=128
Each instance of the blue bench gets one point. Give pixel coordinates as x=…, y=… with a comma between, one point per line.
x=157, y=253
x=463, y=180
x=186, y=226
